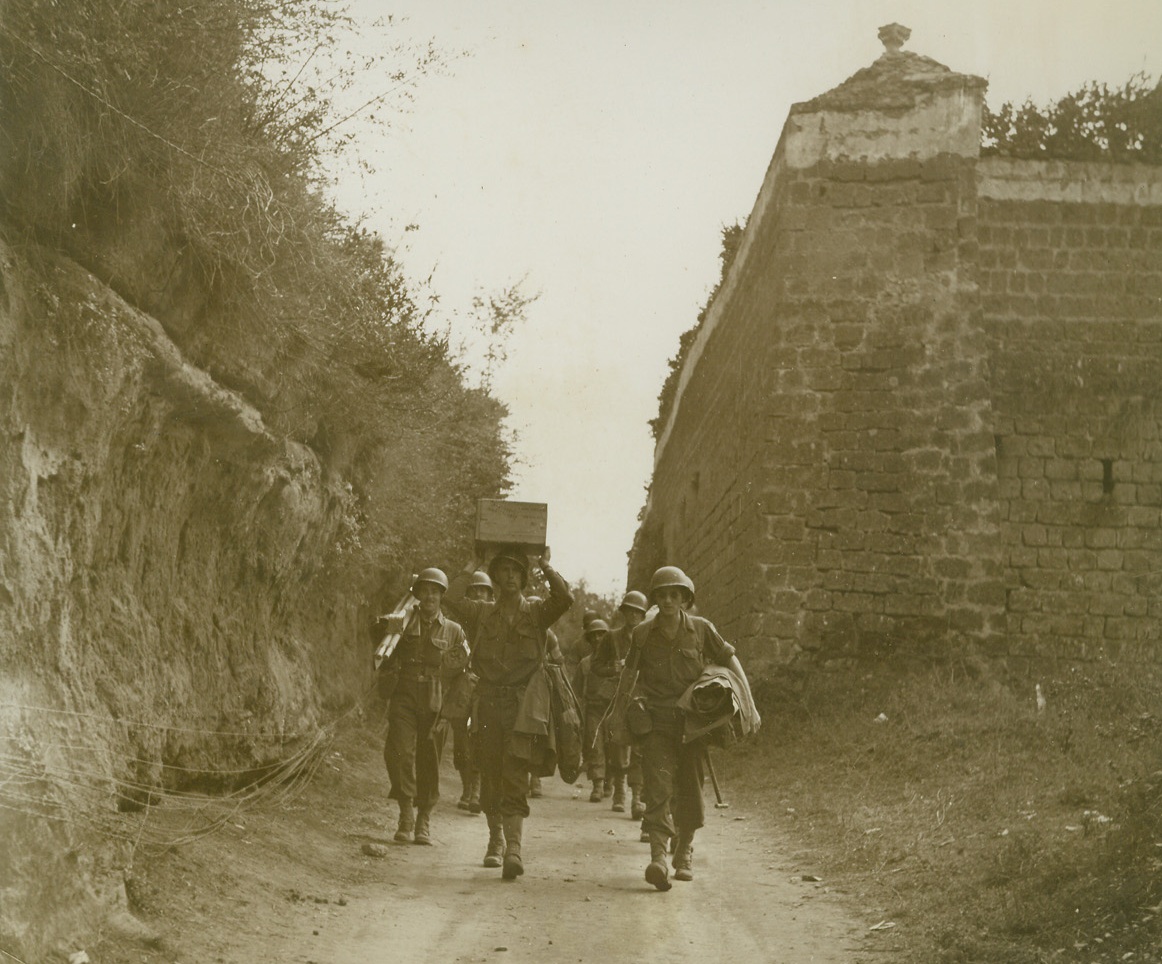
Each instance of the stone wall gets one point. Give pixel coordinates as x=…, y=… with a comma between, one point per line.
x=1071, y=285
x=921, y=410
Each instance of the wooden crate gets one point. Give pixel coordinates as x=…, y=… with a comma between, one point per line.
x=503, y=522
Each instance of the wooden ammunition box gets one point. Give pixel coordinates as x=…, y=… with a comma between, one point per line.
x=501, y=522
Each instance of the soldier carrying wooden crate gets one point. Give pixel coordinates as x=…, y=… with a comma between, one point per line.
x=509, y=647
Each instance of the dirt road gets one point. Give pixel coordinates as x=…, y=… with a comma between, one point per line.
x=583, y=898
x=294, y=885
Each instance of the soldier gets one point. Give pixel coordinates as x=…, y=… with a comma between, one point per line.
x=578, y=649
x=632, y=610
x=509, y=646
x=596, y=684
x=555, y=656
x=668, y=653
x=458, y=708
x=432, y=651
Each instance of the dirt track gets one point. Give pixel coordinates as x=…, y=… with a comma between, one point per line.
x=291, y=883
x=583, y=898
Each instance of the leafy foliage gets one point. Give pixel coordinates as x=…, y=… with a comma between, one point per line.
x=181, y=151
x=1094, y=123
x=731, y=239
x=208, y=107
x=495, y=318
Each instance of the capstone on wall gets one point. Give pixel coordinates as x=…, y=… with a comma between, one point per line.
x=923, y=408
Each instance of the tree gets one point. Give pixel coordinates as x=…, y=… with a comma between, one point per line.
x=496, y=317
x=181, y=152
x=1094, y=123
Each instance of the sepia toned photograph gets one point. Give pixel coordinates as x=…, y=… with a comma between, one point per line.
x=596, y=482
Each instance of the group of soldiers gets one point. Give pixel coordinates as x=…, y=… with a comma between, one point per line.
x=477, y=673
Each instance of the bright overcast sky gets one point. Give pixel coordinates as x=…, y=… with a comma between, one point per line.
x=597, y=148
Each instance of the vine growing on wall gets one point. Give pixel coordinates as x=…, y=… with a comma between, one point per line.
x=731, y=240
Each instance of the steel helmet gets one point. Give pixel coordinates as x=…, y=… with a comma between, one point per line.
x=588, y=618
x=597, y=626
x=515, y=555
x=669, y=576
x=435, y=576
x=480, y=579
x=634, y=600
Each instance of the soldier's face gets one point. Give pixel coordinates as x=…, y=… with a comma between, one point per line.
x=669, y=600
x=632, y=616
x=479, y=594
x=429, y=596
x=507, y=577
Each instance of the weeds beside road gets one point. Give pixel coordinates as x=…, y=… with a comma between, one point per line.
x=965, y=817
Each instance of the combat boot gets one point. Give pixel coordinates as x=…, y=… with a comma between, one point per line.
x=637, y=807
x=607, y=790
x=423, y=831
x=598, y=791
x=684, y=856
x=535, y=787
x=474, y=794
x=407, y=822
x=466, y=792
x=657, y=873
x=619, y=795
x=513, y=828
x=494, y=855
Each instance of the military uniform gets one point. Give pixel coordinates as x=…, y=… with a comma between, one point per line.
x=672, y=770
x=430, y=655
x=606, y=761
x=620, y=638
x=554, y=656
x=457, y=710
x=505, y=656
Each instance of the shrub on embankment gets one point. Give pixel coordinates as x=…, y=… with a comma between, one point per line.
x=975, y=812
x=221, y=446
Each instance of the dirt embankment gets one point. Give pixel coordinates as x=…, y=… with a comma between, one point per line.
x=291, y=883
x=167, y=620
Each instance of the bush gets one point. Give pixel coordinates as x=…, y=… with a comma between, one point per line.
x=1094, y=123
x=179, y=152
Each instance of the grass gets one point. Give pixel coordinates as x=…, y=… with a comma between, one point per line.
x=982, y=828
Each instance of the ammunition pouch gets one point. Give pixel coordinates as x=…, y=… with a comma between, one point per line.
x=637, y=718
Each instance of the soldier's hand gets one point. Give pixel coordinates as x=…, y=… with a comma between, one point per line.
x=392, y=623
x=544, y=560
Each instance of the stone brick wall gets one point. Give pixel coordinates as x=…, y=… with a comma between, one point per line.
x=923, y=408
x=1071, y=285
x=705, y=511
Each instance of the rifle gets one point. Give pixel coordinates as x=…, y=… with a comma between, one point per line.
x=405, y=608
x=626, y=683
x=719, y=804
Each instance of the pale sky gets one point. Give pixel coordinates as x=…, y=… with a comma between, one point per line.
x=597, y=148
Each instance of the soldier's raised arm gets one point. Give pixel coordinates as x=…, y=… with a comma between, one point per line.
x=560, y=598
